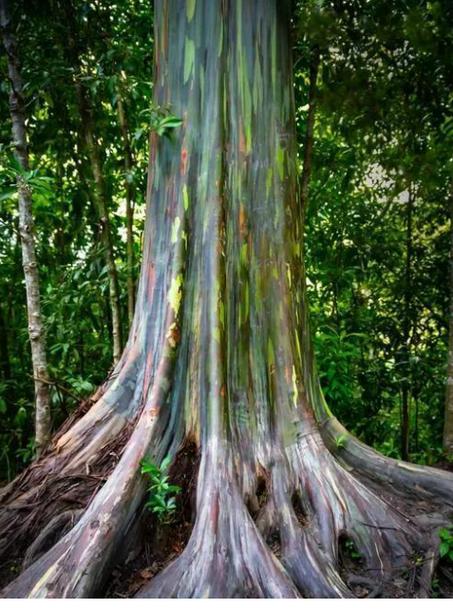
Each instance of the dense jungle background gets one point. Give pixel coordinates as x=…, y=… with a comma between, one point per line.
x=377, y=79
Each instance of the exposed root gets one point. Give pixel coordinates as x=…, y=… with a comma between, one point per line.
x=303, y=512
x=302, y=521
x=338, y=506
x=91, y=544
x=81, y=456
x=364, y=587
x=286, y=540
x=53, y=531
x=46, y=490
x=418, y=481
x=160, y=543
x=226, y=556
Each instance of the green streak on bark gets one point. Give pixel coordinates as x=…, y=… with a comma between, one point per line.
x=189, y=55
x=185, y=197
x=190, y=9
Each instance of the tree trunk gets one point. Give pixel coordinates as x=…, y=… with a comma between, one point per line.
x=406, y=352
x=448, y=425
x=219, y=357
x=99, y=192
x=128, y=165
x=27, y=238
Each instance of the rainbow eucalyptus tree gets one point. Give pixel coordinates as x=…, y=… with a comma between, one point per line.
x=219, y=360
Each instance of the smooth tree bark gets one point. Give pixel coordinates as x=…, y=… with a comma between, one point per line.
x=448, y=422
x=219, y=359
x=27, y=238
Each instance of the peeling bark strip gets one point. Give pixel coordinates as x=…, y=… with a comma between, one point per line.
x=219, y=355
x=27, y=239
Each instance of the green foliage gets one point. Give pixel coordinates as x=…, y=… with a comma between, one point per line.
x=161, y=494
x=446, y=543
x=12, y=174
x=163, y=124
x=382, y=127
x=115, y=43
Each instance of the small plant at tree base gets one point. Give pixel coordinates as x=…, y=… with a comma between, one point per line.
x=162, y=495
x=446, y=543
x=351, y=550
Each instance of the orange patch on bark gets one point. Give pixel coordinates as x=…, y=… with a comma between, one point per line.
x=184, y=159
x=154, y=411
x=242, y=221
x=288, y=374
x=174, y=335
x=242, y=145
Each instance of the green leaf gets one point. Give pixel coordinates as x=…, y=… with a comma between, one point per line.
x=444, y=533
x=8, y=193
x=165, y=463
x=444, y=548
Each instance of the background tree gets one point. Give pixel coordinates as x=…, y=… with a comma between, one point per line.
x=24, y=179
x=74, y=280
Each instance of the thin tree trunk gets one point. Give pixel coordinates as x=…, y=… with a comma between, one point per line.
x=406, y=367
x=99, y=192
x=448, y=424
x=128, y=165
x=27, y=238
